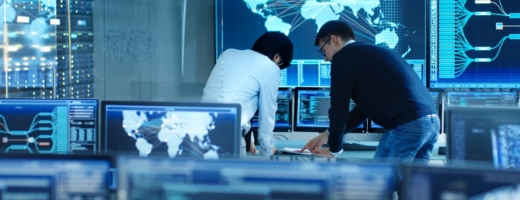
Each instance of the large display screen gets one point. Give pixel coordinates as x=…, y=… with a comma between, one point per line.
x=477, y=44
x=398, y=25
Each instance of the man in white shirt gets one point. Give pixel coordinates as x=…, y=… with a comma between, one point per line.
x=251, y=79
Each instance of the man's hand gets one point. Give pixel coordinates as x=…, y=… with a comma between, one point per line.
x=252, y=149
x=323, y=152
x=316, y=142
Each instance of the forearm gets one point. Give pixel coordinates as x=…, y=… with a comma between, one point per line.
x=266, y=142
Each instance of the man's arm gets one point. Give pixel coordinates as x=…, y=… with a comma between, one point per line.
x=267, y=107
x=342, y=84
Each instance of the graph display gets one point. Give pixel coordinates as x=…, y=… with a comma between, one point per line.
x=477, y=44
x=48, y=126
x=398, y=25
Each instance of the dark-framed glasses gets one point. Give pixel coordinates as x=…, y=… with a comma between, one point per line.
x=321, y=48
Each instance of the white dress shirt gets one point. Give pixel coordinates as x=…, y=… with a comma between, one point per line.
x=250, y=79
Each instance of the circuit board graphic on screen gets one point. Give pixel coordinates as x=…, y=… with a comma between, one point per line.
x=48, y=126
x=477, y=44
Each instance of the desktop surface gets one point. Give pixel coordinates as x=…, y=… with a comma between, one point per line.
x=350, y=154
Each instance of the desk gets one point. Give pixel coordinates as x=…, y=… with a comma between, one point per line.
x=349, y=155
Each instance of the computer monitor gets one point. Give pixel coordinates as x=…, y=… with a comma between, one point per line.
x=503, y=99
x=196, y=130
x=398, y=25
x=486, y=134
x=474, y=44
x=158, y=178
x=448, y=182
x=373, y=127
x=283, y=118
x=48, y=126
x=312, y=110
x=54, y=176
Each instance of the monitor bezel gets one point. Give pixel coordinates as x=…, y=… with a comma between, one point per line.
x=104, y=105
x=314, y=129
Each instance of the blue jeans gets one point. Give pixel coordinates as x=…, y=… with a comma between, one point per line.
x=409, y=143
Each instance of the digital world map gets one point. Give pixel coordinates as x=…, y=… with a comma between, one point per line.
x=322, y=12
x=377, y=22
x=180, y=131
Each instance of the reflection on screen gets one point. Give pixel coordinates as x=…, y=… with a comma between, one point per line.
x=283, y=114
x=201, y=130
x=45, y=126
x=232, y=179
x=35, y=178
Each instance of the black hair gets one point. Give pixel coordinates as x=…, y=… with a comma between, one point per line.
x=272, y=43
x=334, y=27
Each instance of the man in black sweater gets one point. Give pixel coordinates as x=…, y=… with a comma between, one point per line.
x=384, y=88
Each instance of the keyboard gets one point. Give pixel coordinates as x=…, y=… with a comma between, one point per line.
x=358, y=146
x=364, y=146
